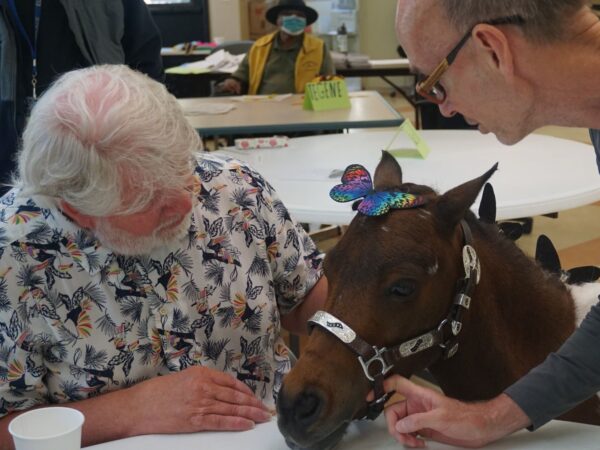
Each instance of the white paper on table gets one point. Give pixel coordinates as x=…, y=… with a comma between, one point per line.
x=220, y=61
x=224, y=61
x=270, y=98
x=209, y=109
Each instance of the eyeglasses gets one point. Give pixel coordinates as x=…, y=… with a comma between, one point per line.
x=430, y=88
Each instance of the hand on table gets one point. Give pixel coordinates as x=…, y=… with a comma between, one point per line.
x=231, y=85
x=429, y=414
x=196, y=399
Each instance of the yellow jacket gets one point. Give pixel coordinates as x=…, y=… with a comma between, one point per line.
x=308, y=63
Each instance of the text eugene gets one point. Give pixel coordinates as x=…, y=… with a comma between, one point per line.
x=327, y=90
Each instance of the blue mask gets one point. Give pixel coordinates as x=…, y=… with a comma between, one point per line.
x=293, y=25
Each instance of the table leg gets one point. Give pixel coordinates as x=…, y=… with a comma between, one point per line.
x=408, y=98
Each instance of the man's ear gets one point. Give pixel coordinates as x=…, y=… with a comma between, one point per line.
x=83, y=220
x=496, y=45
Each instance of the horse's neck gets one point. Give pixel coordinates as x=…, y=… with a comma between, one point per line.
x=518, y=315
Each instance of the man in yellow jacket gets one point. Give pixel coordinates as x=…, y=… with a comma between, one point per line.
x=284, y=61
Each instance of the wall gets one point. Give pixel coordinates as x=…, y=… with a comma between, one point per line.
x=377, y=37
x=228, y=19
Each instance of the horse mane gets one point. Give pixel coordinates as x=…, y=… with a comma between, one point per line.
x=491, y=235
x=525, y=311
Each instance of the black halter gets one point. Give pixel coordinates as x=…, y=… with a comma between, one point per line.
x=377, y=362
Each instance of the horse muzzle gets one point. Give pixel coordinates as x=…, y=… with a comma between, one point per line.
x=301, y=420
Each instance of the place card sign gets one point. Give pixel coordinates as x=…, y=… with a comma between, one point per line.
x=422, y=148
x=325, y=95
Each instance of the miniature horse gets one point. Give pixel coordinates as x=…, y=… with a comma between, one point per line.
x=397, y=280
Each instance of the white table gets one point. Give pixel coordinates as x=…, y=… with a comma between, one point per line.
x=269, y=115
x=539, y=175
x=361, y=436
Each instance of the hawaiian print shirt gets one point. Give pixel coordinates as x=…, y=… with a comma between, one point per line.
x=77, y=320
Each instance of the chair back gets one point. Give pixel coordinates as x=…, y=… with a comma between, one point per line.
x=234, y=47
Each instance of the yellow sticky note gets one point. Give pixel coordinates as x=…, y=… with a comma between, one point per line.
x=422, y=149
x=325, y=95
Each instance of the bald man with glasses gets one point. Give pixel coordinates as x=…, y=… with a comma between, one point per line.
x=509, y=67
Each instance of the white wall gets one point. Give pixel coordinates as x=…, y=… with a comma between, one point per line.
x=228, y=19
x=377, y=36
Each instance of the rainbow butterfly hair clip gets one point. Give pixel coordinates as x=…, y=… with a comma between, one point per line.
x=356, y=183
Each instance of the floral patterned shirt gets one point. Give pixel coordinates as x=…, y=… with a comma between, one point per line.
x=77, y=320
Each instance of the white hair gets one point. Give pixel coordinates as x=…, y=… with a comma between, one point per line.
x=106, y=139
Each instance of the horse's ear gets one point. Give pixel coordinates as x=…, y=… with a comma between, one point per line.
x=487, y=206
x=546, y=254
x=453, y=205
x=584, y=274
x=388, y=174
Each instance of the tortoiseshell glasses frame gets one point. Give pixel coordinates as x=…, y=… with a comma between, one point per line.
x=430, y=88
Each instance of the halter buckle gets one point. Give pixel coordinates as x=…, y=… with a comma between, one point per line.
x=377, y=357
x=449, y=353
x=456, y=327
x=463, y=300
x=375, y=408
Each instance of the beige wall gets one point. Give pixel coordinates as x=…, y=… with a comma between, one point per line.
x=376, y=28
x=228, y=19
x=377, y=35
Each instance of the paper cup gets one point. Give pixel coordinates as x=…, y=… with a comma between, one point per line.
x=47, y=429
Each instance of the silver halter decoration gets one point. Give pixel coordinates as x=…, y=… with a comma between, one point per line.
x=377, y=362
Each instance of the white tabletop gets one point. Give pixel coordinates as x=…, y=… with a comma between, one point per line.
x=539, y=175
x=265, y=114
x=360, y=436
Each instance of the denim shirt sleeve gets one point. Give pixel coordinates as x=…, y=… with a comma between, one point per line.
x=565, y=379
x=595, y=135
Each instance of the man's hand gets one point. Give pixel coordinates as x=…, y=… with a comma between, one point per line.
x=231, y=85
x=195, y=399
x=429, y=414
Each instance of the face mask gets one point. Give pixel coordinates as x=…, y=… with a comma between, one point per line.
x=293, y=25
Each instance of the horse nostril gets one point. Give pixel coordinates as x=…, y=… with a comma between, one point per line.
x=307, y=408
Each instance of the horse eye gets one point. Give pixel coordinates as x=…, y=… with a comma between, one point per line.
x=403, y=288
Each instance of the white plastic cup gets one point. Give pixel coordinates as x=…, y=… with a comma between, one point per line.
x=54, y=428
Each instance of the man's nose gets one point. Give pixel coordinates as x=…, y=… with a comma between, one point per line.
x=447, y=109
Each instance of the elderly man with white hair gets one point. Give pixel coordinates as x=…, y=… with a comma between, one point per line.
x=142, y=282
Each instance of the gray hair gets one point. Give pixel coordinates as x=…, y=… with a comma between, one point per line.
x=106, y=139
x=545, y=20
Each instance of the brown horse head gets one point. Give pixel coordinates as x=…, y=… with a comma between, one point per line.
x=391, y=278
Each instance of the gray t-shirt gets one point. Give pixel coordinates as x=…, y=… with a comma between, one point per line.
x=595, y=135
x=569, y=376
